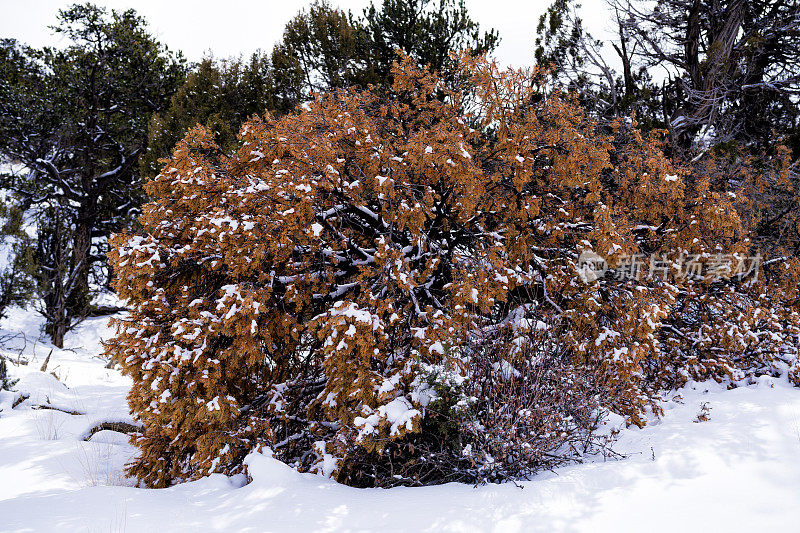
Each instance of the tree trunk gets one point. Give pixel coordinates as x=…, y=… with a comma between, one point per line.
x=59, y=329
x=55, y=265
x=56, y=311
x=78, y=300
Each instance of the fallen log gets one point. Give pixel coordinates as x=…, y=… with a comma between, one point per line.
x=119, y=427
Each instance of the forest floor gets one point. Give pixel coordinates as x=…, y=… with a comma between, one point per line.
x=739, y=470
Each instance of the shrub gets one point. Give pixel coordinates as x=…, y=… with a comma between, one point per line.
x=18, y=269
x=5, y=382
x=389, y=290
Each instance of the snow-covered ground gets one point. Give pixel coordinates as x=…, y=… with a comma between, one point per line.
x=738, y=471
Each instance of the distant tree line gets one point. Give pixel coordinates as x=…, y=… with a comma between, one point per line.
x=82, y=128
x=720, y=73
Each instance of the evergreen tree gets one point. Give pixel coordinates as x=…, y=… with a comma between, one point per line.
x=426, y=30
x=219, y=94
x=322, y=48
x=17, y=268
x=731, y=68
x=580, y=63
x=77, y=119
x=735, y=65
x=326, y=48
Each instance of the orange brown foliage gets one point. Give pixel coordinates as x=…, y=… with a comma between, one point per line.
x=291, y=295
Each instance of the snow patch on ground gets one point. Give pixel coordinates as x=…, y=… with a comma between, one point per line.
x=737, y=471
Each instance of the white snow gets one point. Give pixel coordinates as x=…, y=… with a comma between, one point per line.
x=738, y=471
x=505, y=370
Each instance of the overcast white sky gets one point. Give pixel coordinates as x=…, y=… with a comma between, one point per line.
x=241, y=27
